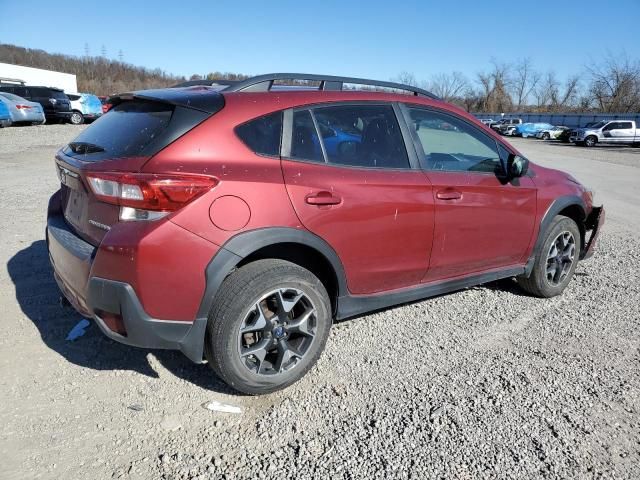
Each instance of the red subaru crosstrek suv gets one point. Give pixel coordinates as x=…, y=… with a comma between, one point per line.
x=236, y=224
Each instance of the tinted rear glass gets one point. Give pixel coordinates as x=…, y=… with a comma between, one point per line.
x=124, y=132
x=262, y=135
x=59, y=95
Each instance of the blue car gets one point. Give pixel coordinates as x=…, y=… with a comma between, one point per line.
x=531, y=129
x=337, y=142
x=5, y=116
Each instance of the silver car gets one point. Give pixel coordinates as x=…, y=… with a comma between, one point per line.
x=22, y=110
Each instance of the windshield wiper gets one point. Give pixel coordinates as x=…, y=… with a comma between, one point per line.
x=83, y=148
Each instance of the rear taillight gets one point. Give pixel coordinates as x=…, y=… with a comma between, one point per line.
x=148, y=196
x=23, y=107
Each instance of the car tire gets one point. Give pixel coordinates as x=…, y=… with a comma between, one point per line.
x=254, y=299
x=556, y=261
x=76, y=118
x=546, y=136
x=590, y=141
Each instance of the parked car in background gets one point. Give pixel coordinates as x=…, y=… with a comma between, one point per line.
x=621, y=132
x=208, y=221
x=105, y=103
x=487, y=121
x=85, y=107
x=5, y=116
x=22, y=110
x=551, y=133
x=54, y=101
x=506, y=126
x=566, y=135
x=530, y=129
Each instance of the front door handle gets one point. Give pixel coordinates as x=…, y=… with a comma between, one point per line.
x=323, y=198
x=449, y=194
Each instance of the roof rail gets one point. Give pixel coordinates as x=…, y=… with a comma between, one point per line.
x=12, y=80
x=264, y=83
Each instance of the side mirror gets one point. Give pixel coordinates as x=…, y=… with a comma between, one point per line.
x=517, y=166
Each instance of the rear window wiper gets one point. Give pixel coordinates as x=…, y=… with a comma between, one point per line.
x=83, y=148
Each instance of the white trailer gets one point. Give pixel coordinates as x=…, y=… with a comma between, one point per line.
x=40, y=77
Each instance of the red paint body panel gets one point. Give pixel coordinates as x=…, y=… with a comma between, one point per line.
x=388, y=227
x=213, y=148
x=489, y=226
x=163, y=262
x=382, y=228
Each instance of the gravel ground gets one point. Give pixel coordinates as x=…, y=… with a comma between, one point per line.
x=483, y=383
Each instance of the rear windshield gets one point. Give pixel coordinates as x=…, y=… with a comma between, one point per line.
x=58, y=94
x=12, y=97
x=124, y=132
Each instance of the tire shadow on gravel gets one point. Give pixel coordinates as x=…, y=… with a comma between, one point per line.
x=38, y=296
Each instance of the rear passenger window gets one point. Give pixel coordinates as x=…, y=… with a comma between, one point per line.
x=451, y=144
x=362, y=136
x=624, y=125
x=305, y=144
x=262, y=135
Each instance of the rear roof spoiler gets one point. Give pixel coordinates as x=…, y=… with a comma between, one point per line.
x=200, y=98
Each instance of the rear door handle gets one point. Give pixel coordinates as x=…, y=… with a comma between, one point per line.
x=448, y=194
x=323, y=198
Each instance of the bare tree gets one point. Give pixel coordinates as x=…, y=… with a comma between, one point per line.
x=494, y=88
x=524, y=81
x=615, y=84
x=406, y=78
x=569, y=95
x=95, y=74
x=448, y=86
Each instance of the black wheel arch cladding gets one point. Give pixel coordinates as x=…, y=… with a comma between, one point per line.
x=240, y=246
x=559, y=205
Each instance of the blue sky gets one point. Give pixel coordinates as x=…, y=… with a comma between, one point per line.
x=375, y=39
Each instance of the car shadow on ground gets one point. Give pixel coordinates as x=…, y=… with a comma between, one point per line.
x=39, y=298
x=608, y=148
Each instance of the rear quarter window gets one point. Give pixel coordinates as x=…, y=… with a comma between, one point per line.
x=125, y=132
x=262, y=135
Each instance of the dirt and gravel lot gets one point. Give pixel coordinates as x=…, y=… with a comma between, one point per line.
x=483, y=383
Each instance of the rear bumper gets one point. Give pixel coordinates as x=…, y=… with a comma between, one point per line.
x=27, y=116
x=58, y=115
x=594, y=223
x=105, y=300
x=108, y=298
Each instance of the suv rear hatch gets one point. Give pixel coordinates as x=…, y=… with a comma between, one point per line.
x=111, y=152
x=59, y=100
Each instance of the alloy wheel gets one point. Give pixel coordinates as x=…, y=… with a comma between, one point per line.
x=277, y=331
x=560, y=258
x=76, y=118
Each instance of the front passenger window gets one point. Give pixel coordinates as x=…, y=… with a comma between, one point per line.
x=450, y=144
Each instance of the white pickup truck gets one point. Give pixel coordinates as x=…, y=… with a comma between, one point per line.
x=623, y=132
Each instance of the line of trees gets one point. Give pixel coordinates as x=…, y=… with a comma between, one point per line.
x=611, y=85
x=98, y=75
